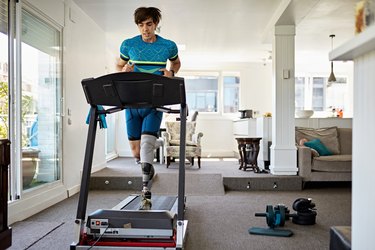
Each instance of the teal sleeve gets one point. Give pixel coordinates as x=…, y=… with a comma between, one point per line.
x=124, y=51
x=173, y=51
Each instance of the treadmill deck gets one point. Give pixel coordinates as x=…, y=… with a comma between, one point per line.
x=125, y=220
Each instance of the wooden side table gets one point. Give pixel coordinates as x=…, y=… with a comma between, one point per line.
x=248, y=148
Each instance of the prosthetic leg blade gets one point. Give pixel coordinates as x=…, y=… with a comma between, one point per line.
x=146, y=202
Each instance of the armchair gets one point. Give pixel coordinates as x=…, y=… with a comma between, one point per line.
x=172, y=142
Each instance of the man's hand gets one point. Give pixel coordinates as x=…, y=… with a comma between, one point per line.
x=129, y=67
x=166, y=72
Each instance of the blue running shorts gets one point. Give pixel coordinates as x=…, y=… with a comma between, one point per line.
x=142, y=121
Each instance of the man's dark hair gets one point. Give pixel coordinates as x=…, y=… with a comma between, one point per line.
x=143, y=13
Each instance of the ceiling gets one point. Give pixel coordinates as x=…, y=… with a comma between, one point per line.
x=231, y=31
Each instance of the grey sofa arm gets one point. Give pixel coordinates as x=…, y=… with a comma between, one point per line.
x=304, y=161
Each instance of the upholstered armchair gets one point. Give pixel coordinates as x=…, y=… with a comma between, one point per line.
x=172, y=142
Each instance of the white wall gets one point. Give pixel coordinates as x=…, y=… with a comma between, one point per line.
x=84, y=57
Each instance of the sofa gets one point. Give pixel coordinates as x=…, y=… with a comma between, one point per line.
x=315, y=167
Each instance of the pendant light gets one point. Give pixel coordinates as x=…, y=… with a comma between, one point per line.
x=331, y=77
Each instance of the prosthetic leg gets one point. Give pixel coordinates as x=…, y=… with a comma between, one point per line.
x=148, y=171
x=147, y=174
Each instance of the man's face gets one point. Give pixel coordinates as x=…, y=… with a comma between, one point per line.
x=147, y=29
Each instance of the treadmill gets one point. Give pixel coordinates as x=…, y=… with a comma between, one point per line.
x=125, y=226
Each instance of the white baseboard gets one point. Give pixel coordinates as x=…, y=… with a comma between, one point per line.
x=35, y=202
x=125, y=153
x=98, y=167
x=218, y=154
x=74, y=190
x=111, y=156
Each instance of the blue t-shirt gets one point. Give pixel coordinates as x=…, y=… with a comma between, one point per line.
x=148, y=57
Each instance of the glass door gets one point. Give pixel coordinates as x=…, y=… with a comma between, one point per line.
x=30, y=74
x=41, y=95
x=4, y=79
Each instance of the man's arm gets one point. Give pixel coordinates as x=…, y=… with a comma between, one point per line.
x=175, y=66
x=123, y=66
x=120, y=64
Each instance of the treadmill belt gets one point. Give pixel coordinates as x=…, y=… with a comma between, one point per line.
x=158, y=203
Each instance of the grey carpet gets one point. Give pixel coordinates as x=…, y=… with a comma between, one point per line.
x=28, y=231
x=195, y=184
x=217, y=220
x=222, y=222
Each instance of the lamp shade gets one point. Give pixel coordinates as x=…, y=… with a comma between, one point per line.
x=332, y=77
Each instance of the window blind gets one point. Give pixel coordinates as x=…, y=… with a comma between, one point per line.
x=39, y=34
x=4, y=16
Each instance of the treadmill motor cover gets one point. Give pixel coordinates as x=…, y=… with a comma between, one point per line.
x=128, y=219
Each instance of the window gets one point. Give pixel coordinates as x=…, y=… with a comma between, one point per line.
x=231, y=93
x=300, y=93
x=314, y=92
x=203, y=91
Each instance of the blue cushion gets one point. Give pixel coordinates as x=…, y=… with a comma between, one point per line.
x=318, y=146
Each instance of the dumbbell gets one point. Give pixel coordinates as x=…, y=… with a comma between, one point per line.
x=275, y=216
x=306, y=214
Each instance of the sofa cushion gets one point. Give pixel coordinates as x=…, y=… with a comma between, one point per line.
x=318, y=146
x=332, y=163
x=345, y=137
x=328, y=136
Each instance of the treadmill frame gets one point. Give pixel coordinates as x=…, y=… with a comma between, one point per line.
x=131, y=90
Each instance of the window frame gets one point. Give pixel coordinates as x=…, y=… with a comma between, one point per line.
x=220, y=90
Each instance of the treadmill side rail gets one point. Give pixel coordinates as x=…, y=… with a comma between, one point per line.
x=181, y=233
x=79, y=225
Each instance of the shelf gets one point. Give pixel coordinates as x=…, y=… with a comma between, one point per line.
x=361, y=44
